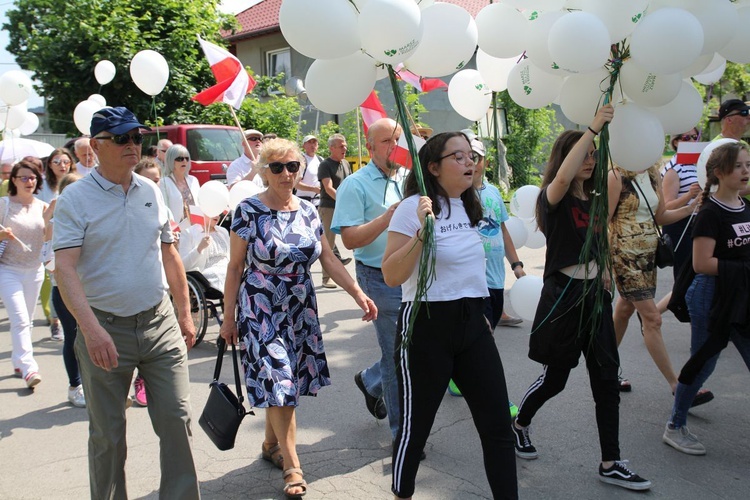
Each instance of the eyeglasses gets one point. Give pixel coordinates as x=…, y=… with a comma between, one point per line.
x=60, y=161
x=182, y=158
x=25, y=178
x=461, y=157
x=689, y=137
x=591, y=155
x=742, y=112
x=276, y=167
x=254, y=139
x=123, y=139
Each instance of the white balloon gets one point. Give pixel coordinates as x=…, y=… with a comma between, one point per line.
x=620, y=17
x=525, y=294
x=517, y=231
x=502, y=30
x=581, y=95
x=699, y=65
x=535, y=238
x=700, y=165
x=579, y=42
x=667, y=41
x=636, y=137
x=149, y=71
x=240, y=191
x=12, y=117
x=449, y=38
x=494, y=70
x=82, y=114
x=647, y=88
x=712, y=75
x=719, y=21
x=30, y=124
x=469, y=95
x=15, y=87
x=523, y=201
x=532, y=87
x=537, y=46
x=390, y=29
x=683, y=112
x=323, y=29
x=213, y=198
x=737, y=48
x=337, y=86
x=99, y=99
x=104, y=72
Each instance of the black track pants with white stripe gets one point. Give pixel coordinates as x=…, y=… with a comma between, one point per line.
x=453, y=342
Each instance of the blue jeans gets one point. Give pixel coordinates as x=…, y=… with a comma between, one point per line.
x=380, y=379
x=699, y=298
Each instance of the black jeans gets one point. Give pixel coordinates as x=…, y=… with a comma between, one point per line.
x=453, y=342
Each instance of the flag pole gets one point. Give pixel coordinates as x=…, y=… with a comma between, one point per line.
x=242, y=133
x=359, y=138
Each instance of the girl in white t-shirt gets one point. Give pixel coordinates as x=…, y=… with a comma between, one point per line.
x=451, y=337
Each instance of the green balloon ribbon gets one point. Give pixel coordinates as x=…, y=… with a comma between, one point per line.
x=427, y=259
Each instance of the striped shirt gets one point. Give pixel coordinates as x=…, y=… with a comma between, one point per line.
x=688, y=174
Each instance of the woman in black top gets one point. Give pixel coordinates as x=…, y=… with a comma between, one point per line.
x=558, y=336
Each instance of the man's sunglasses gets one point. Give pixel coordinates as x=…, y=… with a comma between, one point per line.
x=276, y=167
x=255, y=139
x=742, y=112
x=123, y=139
x=182, y=158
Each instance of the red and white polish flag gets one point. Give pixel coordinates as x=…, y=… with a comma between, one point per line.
x=233, y=82
x=689, y=152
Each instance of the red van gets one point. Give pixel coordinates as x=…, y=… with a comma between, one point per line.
x=212, y=147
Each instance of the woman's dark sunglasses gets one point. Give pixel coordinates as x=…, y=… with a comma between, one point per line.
x=689, y=137
x=123, y=139
x=276, y=167
x=182, y=158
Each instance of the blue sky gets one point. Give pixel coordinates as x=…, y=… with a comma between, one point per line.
x=7, y=61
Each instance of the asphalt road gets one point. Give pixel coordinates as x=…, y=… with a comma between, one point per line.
x=345, y=453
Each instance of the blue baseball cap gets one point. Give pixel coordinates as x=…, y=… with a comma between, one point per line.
x=114, y=120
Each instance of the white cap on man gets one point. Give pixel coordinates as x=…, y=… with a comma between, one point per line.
x=309, y=138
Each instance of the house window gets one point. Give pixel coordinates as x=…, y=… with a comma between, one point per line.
x=279, y=61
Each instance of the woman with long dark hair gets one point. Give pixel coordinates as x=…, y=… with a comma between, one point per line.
x=451, y=338
x=563, y=327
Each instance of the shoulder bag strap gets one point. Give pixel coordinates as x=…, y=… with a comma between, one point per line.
x=222, y=344
x=656, y=225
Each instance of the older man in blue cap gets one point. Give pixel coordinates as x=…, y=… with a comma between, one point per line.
x=114, y=259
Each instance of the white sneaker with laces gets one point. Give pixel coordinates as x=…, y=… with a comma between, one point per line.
x=76, y=397
x=683, y=440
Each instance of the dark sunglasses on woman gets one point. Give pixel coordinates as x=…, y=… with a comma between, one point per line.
x=276, y=167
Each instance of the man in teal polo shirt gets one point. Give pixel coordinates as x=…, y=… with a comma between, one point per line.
x=365, y=202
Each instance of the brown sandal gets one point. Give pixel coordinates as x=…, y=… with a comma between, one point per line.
x=294, y=484
x=273, y=455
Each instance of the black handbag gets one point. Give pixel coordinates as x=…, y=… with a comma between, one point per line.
x=223, y=414
x=664, y=247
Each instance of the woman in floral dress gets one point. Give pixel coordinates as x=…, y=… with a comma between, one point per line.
x=275, y=239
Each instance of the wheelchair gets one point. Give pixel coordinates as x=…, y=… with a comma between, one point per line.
x=204, y=301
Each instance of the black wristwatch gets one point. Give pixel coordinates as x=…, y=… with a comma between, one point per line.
x=515, y=264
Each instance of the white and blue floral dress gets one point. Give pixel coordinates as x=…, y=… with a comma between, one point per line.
x=283, y=353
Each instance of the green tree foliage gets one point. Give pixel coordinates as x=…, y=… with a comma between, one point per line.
x=266, y=109
x=62, y=41
x=531, y=133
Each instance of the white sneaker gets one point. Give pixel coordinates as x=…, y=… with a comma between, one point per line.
x=76, y=397
x=683, y=440
x=33, y=379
